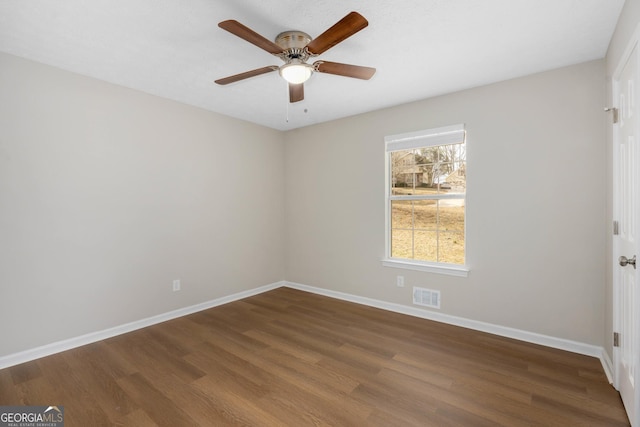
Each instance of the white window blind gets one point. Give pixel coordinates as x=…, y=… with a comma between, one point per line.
x=426, y=138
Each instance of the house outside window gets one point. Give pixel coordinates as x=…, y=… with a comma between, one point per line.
x=425, y=200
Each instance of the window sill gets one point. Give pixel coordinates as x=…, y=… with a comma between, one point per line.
x=453, y=270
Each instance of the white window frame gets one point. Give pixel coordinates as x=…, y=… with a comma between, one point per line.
x=407, y=141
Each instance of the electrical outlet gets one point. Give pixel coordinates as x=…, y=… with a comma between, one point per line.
x=400, y=281
x=176, y=285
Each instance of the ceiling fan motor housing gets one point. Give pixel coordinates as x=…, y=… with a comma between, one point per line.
x=293, y=45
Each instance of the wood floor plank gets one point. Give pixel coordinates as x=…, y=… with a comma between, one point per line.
x=580, y=412
x=103, y=355
x=469, y=403
x=66, y=389
x=137, y=418
x=144, y=351
x=462, y=416
x=478, y=398
x=277, y=342
x=291, y=358
x=237, y=406
x=328, y=389
x=6, y=387
x=382, y=418
x=103, y=387
x=295, y=406
x=413, y=410
x=325, y=382
x=161, y=409
x=426, y=373
x=201, y=408
x=35, y=392
x=25, y=372
x=241, y=366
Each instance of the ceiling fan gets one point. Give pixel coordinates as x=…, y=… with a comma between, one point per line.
x=295, y=48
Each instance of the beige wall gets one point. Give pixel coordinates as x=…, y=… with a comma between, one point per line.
x=535, y=203
x=108, y=194
x=628, y=24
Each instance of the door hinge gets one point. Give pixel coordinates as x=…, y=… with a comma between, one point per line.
x=614, y=114
x=616, y=339
x=616, y=228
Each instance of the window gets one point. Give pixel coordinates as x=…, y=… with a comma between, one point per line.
x=425, y=194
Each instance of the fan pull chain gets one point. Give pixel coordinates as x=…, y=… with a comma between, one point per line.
x=287, y=102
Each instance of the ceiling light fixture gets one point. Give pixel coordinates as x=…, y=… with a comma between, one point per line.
x=296, y=72
x=295, y=48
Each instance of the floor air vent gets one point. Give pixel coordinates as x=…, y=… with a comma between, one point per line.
x=426, y=297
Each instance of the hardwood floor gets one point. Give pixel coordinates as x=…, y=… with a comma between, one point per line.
x=288, y=357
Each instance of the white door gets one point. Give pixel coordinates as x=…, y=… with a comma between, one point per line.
x=627, y=305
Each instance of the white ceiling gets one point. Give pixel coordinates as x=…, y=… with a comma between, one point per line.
x=421, y=48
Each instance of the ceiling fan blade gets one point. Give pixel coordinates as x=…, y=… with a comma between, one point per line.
x=246, y=75
x=347, y=70
x=296, y=92
x=246, y=33
x=343, y=29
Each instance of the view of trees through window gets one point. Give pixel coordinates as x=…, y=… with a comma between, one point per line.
x=428, y=186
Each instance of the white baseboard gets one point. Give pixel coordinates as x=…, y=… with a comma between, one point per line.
x=531, y=337
x=549, y=341
x=607, y=365
x=57, y=347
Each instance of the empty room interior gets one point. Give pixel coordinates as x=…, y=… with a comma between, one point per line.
x=436, y=227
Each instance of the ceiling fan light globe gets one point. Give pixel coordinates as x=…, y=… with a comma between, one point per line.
x=296, y=73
